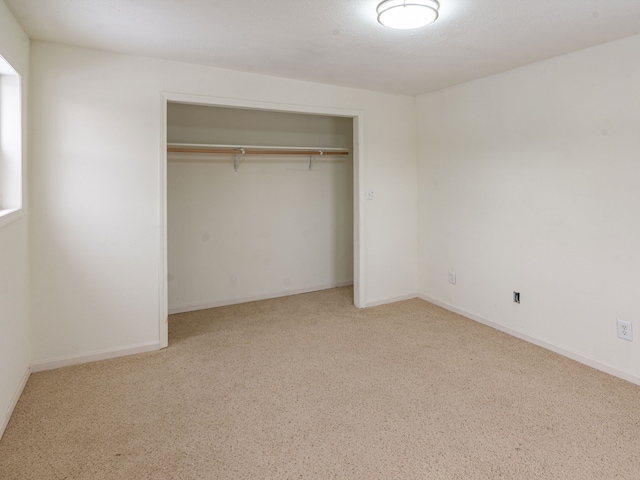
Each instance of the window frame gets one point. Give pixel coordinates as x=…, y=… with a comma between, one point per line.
x=11, y=144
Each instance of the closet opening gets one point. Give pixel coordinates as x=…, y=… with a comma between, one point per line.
x=257, y=203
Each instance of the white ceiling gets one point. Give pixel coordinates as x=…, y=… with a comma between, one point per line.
x=335, y=41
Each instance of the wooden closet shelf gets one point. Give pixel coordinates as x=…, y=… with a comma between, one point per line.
x=240, y=150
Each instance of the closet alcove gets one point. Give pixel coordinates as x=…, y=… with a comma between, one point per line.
x=259, y=204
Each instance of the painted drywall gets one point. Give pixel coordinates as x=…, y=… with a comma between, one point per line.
x=96, y=150
x=14, y=263
x=529, y=181
x=241, y=126
x=273, y=227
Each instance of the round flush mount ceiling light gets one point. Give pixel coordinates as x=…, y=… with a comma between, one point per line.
x=406, y=14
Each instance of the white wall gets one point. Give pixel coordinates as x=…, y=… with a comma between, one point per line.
x=529, y=181
x=14, y=264
x=242, y=126
x=96, y=149
x=271, y=228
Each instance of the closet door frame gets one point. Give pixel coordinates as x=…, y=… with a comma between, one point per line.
x=358, y=187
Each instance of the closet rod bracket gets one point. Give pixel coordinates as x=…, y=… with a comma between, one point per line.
x=236, y=160
x=313, y=159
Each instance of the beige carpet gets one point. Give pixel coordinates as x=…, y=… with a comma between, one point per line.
x=310, y=387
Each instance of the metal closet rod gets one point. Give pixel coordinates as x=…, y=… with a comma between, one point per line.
x=242, y=150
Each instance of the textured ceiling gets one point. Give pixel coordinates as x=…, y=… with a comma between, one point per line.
x=335, y=41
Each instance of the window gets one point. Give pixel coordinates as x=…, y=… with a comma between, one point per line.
x=10, y=144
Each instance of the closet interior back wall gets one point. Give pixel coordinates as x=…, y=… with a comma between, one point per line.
x=272, y=228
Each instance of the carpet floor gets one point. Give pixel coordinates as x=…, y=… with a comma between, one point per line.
x=308, y=386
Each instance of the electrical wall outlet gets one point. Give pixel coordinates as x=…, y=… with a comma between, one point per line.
x=516, y=297
x=452, y=276
x=625, y=330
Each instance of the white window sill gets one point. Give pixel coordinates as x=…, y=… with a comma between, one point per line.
x=10, y=215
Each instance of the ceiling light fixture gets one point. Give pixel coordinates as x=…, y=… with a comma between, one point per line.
x=406, y=14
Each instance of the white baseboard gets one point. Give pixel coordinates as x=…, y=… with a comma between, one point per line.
x=385, y=301
x=234, y=301
x=603, y=367
x=14, y=402
x=94, y=356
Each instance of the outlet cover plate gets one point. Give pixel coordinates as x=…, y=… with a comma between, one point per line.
x=625, y=330
x=452, y=276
